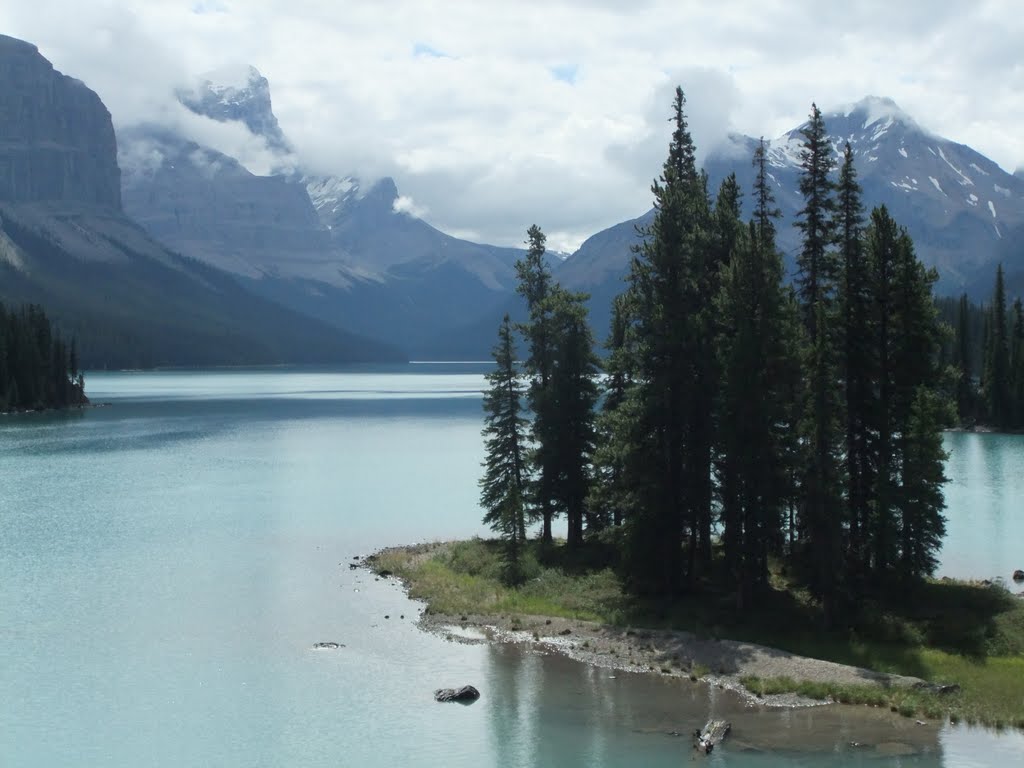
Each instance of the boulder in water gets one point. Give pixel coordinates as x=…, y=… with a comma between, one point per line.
x=465, y=695
x=327, y=646
x=1018, y=575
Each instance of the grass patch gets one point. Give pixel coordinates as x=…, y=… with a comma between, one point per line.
x=940, y=631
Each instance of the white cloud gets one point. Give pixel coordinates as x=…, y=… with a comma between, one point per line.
x=405, y=204
x=494, y=116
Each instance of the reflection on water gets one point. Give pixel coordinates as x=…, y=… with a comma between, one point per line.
x=984, y=518
x=548, y=710
x=166, y=564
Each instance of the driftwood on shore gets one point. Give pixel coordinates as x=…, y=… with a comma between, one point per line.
x=712, y=735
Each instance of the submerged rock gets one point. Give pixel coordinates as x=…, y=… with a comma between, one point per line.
x=466, y=694
x=329, y=646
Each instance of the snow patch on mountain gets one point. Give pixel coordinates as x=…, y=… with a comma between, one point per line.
x=992, y=207
x=903, y=151
x=964, y=180
x=786, y=151
x=935, y=183
x=330, y=194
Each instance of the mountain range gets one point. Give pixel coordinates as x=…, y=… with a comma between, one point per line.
x=962, y=210
x=66, y=243
x=327, y=246
x=254, y=255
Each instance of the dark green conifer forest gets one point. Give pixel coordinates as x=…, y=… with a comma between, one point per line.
x=38, y=369
x=986, y=354
x=741, y=421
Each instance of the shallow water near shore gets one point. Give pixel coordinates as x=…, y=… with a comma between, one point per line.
x=167, y=563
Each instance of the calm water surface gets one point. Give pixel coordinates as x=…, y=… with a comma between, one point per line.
x=166, y=564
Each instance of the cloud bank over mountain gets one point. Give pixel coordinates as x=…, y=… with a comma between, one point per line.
x=495, y=116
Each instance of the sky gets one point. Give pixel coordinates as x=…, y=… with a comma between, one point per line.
x=492, y=116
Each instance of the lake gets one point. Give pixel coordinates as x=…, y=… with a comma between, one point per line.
x=167, y=563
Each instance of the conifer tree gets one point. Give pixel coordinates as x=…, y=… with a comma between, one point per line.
x=921, y=499
x=821, y=424
x=816, y=264
x=664, y=286
x=765, y=210
x=535, y=285
x=920, y=411
x=882, y=245
x=610, y=493
x=564, y=422
x=965, y=395
x=858, y=361
x=997, y=371
x=503, y=485
x=753, y=347
x=1017, y=366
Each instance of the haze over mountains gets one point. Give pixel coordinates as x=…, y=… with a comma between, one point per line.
x=337, y=260
x=65, y=243
x=327, y=246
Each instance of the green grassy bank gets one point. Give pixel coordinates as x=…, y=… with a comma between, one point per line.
x=945, y=632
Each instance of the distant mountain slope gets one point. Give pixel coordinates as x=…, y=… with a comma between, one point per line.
x=326, y=246
x=65, y=243
x=133, y=304
x=959, y=207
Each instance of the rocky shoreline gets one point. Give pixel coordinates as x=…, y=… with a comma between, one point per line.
x=670, y=653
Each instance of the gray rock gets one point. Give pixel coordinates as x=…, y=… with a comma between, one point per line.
x=467, y=694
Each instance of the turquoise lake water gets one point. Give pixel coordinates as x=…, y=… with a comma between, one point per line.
x=167, y=562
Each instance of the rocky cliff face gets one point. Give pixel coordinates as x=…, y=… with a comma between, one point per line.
x=206, y=205
x=56, y=138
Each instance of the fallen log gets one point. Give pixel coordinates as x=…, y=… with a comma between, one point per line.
x=712, y=735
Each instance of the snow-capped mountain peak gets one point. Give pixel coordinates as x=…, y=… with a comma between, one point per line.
x=237, y=94
x=875, y=110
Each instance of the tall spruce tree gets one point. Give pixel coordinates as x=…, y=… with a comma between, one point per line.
x=822, y=512
x=920, y=411
x=882, y=246
x=787, y=374
x=564, y=422
x=816, y=263
x=753, y=346
x=535, y=285
x=858, y=362
x=503, y=485
x=665, y=282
